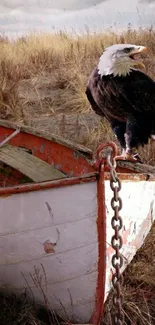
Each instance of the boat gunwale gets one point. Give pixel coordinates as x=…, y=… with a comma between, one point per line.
x=48, y=136
x=29, y=187
x=87, y=153
x=129, y=176
x=85, y=178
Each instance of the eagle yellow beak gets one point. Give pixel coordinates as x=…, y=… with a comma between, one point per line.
x=138, y=50
x=139, y=64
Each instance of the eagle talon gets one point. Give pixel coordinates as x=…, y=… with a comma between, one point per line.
x=127, y=157
x=138, y=159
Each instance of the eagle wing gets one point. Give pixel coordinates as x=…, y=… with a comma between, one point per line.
x=93, y=103
x=140, y=94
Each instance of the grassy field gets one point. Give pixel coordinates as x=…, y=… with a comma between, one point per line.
x=42, y=84
x=43, y=80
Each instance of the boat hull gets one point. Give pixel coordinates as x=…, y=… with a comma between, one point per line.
x=53, y=239
x=52, y=232
x=138, y=214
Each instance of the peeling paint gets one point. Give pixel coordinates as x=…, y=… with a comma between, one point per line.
x=42, y=147
x=134, y=228
x=58, y=166
x=76, y=154
x=49, y=209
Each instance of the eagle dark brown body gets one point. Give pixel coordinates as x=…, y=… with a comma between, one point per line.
x=128, y=102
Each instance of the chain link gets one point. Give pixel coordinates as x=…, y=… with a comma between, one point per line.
x=116, y=242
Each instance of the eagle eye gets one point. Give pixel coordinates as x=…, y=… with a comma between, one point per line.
x=127, y=50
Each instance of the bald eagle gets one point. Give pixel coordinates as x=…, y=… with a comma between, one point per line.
x=119, y=91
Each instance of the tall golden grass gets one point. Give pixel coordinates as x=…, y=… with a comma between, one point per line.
x=46, y=75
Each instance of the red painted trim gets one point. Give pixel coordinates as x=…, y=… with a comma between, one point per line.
x=132, y=177
x=101, y=230
x=68, y=160
x=91, y=177
x=120, y=170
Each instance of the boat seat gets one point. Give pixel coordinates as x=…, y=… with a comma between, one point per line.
x=34, y=168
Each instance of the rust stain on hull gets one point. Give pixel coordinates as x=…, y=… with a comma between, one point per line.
x=49, y=247
x=124, y=176
x=145, y=225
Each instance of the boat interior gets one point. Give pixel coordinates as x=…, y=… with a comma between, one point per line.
x=29, y=156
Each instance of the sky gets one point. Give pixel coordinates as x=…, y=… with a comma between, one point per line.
x=50, y=4
x=147, y=1
x=18, y=17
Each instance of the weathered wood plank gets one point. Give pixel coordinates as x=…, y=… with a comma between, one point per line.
x=137, y=167
x=29, y=165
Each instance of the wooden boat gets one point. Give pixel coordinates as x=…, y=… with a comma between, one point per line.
x=55, y=213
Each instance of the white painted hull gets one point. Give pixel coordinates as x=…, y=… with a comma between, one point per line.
x=71, y=269
x=138, y=214
x=66, y=217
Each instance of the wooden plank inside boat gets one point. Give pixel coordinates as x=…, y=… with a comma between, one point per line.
x=29, y=165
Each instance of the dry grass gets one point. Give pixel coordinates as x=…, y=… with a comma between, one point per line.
x=42, y=83
x=17, y=310
x=139, y=287
x=43, y=79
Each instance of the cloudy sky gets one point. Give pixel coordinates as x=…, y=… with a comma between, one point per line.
x=147, y=1
x=55, y=4
x=22, y=16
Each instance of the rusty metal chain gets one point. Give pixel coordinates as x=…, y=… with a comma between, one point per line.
x=116, y=242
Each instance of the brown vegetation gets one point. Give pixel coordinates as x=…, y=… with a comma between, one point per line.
x=43, y=80
x=138, y=288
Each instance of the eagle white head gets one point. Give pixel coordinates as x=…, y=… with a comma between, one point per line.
x=119, y=59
